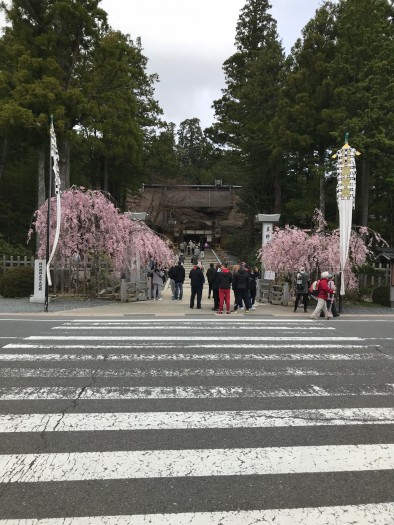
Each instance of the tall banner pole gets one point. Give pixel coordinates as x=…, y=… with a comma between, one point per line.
x=53, y=168
x=346, y=197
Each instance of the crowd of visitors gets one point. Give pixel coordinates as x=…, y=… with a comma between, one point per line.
x=233, y=289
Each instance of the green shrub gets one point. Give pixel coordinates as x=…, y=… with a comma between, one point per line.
x=381, y=295
x=17, y=282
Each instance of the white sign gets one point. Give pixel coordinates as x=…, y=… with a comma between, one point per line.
x=268, y=228
x=39, y=281
x=269, y=275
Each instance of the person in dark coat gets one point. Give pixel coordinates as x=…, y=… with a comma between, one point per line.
x=241, y=284
x=211, y=272
x=302, y=289
x=215, y=287
x=179, y=279
x=197, y=281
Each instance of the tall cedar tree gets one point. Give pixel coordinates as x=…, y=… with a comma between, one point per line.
x=248, y=106
x=304, y=133
x=47, y=41
x=363, y=101
x=119, y=107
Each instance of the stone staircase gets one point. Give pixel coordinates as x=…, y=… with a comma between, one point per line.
x=209, y=258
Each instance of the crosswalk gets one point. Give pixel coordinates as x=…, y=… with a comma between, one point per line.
x=195, y=422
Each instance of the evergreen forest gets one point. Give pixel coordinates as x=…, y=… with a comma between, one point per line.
x=277, y=124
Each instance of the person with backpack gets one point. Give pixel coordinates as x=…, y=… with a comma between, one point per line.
x=323, y=291
x=302, y=289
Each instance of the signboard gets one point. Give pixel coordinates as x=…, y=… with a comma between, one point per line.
x=39, y=281
x=269, y=275
x=268, y=229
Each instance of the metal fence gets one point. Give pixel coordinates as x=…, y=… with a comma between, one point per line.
x=88, y=278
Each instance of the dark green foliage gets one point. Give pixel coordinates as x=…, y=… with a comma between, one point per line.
x=17, y=282
x=381, y=295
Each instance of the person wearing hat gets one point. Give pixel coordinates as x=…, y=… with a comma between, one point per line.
x=302, y=289
x=323, y=292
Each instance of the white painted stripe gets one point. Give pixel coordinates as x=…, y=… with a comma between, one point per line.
x=177, y=372
x=28, y=468
x=184, y=345
x=194, y=420
x=181, y=338
x=193, y=357
x=178, y=392
x=192, y=327
x=199, y=320
x=371, y=514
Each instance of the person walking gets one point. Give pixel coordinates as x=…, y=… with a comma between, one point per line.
x=302, y=289
x=323, y=291
x=224, y=284
x=210, y=277
x=179, y=279
x=197, y=281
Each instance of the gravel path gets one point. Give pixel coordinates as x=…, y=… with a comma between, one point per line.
x=22, y=305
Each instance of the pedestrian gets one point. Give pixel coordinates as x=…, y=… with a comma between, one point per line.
x=253, y=287
x=215, y=287
x=237, y=298
x=171, y=273
x=189, y=247
x=224, y=284
x=182, y=246
x=197, y=251
x=331, y=306
x=202, y=253
x=194, y=260
x=158, y=283
x=241, y=285
x=210, y=276
x=322, y=296
x=197, y=281
x=182, y=258
x=302, y=289
x=179, y=279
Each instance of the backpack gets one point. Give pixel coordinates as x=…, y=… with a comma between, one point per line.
x=299, y=283
x=314, y=288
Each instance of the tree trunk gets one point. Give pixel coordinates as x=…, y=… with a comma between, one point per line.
x=365, y=169
x=41, y=177
x=64, y=164
x=105, y=184
x=322, y=185
x=277, y=191
x=41, y=197
x=3, y=158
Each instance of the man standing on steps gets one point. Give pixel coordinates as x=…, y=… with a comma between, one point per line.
x=197, y=281
x=179, y=279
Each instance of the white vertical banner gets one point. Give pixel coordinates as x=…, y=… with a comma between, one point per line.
x=346, y=194
x=55, y=168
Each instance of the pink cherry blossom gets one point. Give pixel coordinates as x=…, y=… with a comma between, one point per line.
x=93, y=228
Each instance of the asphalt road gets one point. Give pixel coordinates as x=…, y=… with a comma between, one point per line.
x=201, y=420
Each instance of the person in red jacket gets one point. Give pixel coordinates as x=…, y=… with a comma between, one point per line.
x=324, y=291
x=224, y=284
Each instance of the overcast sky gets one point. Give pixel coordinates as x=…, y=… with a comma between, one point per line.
x=187, y=41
